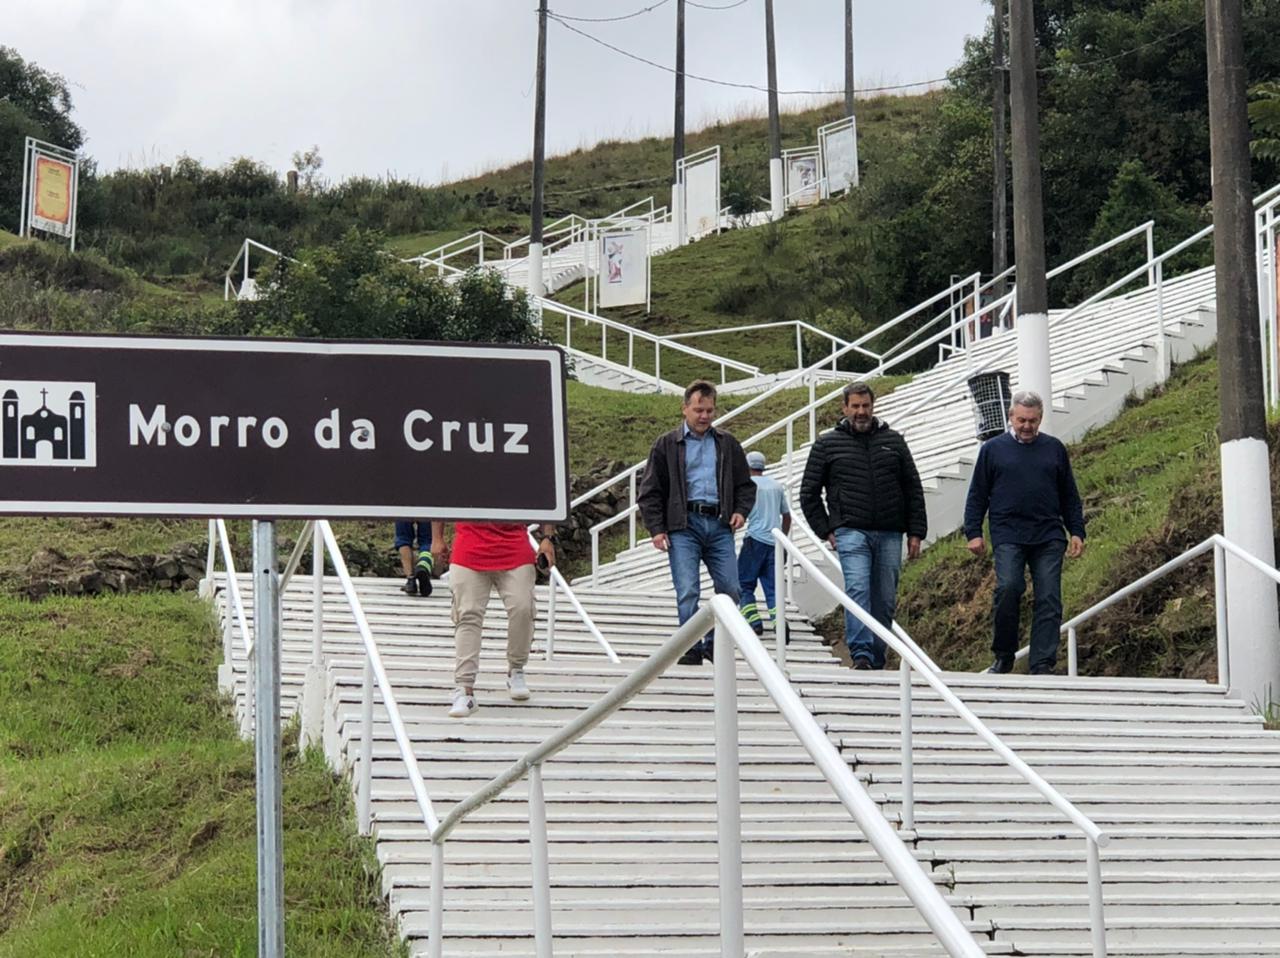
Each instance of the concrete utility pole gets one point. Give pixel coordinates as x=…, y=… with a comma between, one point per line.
x=1034, y=371
x=775, y=127
x=677, y=139
x=1246, y=476
x=848, y=57
x=1000, y=162
x=539, y=156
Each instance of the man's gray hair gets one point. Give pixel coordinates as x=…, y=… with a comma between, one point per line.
x=1027, y=399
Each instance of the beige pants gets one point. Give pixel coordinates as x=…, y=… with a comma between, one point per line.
x=471, y=590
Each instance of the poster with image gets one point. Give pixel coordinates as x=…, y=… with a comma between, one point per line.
x=51, y=199
x=802, y=180
x=624, y=270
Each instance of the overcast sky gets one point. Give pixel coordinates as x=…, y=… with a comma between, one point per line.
x=439, y=89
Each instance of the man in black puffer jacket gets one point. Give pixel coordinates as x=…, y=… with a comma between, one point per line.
x=873, y=495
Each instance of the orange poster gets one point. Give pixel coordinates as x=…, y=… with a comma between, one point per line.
x=53, y=199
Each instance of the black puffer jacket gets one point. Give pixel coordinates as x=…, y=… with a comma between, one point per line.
x=869, y=479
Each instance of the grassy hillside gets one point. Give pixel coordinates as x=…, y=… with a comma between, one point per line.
x=127, y=814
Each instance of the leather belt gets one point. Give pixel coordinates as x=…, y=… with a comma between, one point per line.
x=704, y=509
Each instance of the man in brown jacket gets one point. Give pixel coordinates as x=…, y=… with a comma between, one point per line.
x=695, y=493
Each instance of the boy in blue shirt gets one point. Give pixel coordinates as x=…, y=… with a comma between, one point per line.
x=755, y=561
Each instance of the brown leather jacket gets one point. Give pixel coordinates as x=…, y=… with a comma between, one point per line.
x=663, y=499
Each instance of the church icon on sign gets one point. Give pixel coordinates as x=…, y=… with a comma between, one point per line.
x=46, y=424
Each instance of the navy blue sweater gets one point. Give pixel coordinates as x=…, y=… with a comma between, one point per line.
x=1027, y=488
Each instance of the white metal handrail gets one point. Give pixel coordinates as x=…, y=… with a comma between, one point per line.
x=572, y=314
x=228, y=284
x=218, y=534
x=556, y=580
x=732, y=634
x=1095, y=837
x=1221, y=546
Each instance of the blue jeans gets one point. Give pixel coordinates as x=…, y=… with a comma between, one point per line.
x=871, y=561
x=1045, y=562
x=755, y=564
x=405, y=535
x=705, y=540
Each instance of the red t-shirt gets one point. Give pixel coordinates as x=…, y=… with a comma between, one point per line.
x=491, y=546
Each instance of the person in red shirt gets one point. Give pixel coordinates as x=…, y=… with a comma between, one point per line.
x=487, y=556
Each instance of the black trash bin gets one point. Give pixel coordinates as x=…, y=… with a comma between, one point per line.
x=991, y=398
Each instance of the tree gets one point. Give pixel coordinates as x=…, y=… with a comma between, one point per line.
x=308, y=164
x=355, y=290
x=33, y=102
x=1264, y=117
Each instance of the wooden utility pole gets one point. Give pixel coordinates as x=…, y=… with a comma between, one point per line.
x=1000, y=162
x=677, y=139
x=848, y=57
x=1034, y=371
x=1246, y=476
x=775, y=127
x=539, y=156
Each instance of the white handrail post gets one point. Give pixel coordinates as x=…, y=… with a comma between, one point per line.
x=1151, y=252
x=227, y=670
x=780, y=597
x=595, y=553
x=723, y=375
x=1220, y=605
x=1072, y=654
x=813, y=409
x=206, y=587
x=799, y=348
x=791, y=448
x=728, y=794
x=657, y=363
x=541, y=866
x=313, y=687
x=436, y=915
x=631, y=521
x=1162, y=342
x=250, y=696
x=1097, y=920
x=631, y=350
x=908, y=756
x=364, y=795
x=551, y=618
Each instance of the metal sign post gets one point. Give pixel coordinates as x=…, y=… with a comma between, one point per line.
x=265, y=662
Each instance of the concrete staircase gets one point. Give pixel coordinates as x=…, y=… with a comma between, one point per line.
x=1183, y=778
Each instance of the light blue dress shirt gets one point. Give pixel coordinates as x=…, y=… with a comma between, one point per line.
x=700, y=466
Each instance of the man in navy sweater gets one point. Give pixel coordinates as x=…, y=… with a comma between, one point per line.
x=1023, y=481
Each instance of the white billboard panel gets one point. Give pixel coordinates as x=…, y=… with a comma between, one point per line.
x=624, y=269
x=840, y=156
x=702, y=196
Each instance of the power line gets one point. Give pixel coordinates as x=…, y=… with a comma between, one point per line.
x=728, y=83
x=878, y=89
x=707, y=6
x=625, y=16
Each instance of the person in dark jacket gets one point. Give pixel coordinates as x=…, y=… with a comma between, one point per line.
x=1023, y=481
x=873, y=496
x=695, y=493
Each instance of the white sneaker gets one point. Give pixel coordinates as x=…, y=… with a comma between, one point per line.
x=464, y=703
x=517, y=686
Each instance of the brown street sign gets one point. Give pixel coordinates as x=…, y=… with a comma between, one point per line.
x=123, y=425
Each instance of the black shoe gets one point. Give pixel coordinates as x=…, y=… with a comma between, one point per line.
x=1003, y=665
x=862, y=664
x=1042, y=670
x=410, y=586
x=708, y=651
x=692, y=657
x=424, y=581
